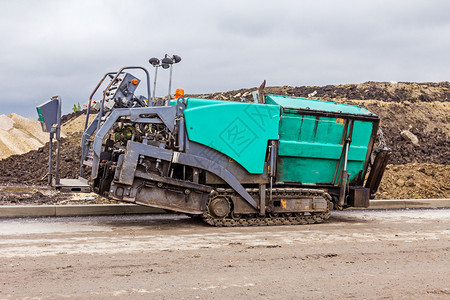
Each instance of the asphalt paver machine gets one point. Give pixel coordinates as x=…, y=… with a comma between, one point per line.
x=276, y=160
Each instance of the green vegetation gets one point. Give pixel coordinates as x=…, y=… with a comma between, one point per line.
x=76, y=107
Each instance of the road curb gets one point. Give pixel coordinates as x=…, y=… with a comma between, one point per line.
x=409, y=203
x=75, y=210
x=35, y=211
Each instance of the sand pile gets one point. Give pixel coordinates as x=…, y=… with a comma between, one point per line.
x=76, y=122
x=19, y=135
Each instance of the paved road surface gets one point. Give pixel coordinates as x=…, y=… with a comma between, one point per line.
x=356, y=254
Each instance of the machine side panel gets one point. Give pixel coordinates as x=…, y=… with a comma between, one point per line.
x=232, y=166
x=238, y=130
x=311, y=148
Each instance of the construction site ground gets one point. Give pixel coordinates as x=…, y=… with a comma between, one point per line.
x=400, y=254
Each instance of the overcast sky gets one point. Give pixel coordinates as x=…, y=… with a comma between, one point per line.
x=64, y=47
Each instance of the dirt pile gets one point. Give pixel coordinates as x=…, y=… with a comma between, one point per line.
x=74, y=115
x=415, y=180
x=74, y=123
x=382, y=91
x=428, y=121
x=31, y=167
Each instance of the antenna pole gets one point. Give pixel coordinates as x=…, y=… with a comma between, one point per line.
x=170, y=84
x=154, y=83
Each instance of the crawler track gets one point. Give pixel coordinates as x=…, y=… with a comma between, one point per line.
x=301, y=218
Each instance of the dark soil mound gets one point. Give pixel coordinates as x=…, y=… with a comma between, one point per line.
x=31, y=167
x=434, y=147
x=428, y=122
x=383, y=91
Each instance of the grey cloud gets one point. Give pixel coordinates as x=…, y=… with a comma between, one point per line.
x=64, y=47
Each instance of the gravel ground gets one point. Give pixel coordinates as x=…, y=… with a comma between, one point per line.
x=399, y=254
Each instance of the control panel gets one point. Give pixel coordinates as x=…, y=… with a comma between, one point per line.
x=122, y=90
x=120, y=93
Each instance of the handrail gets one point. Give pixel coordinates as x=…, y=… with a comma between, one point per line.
x=100, y=115
x=90, y=99
x=114, y=79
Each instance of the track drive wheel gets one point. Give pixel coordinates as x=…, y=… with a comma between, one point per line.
x=219, y=207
